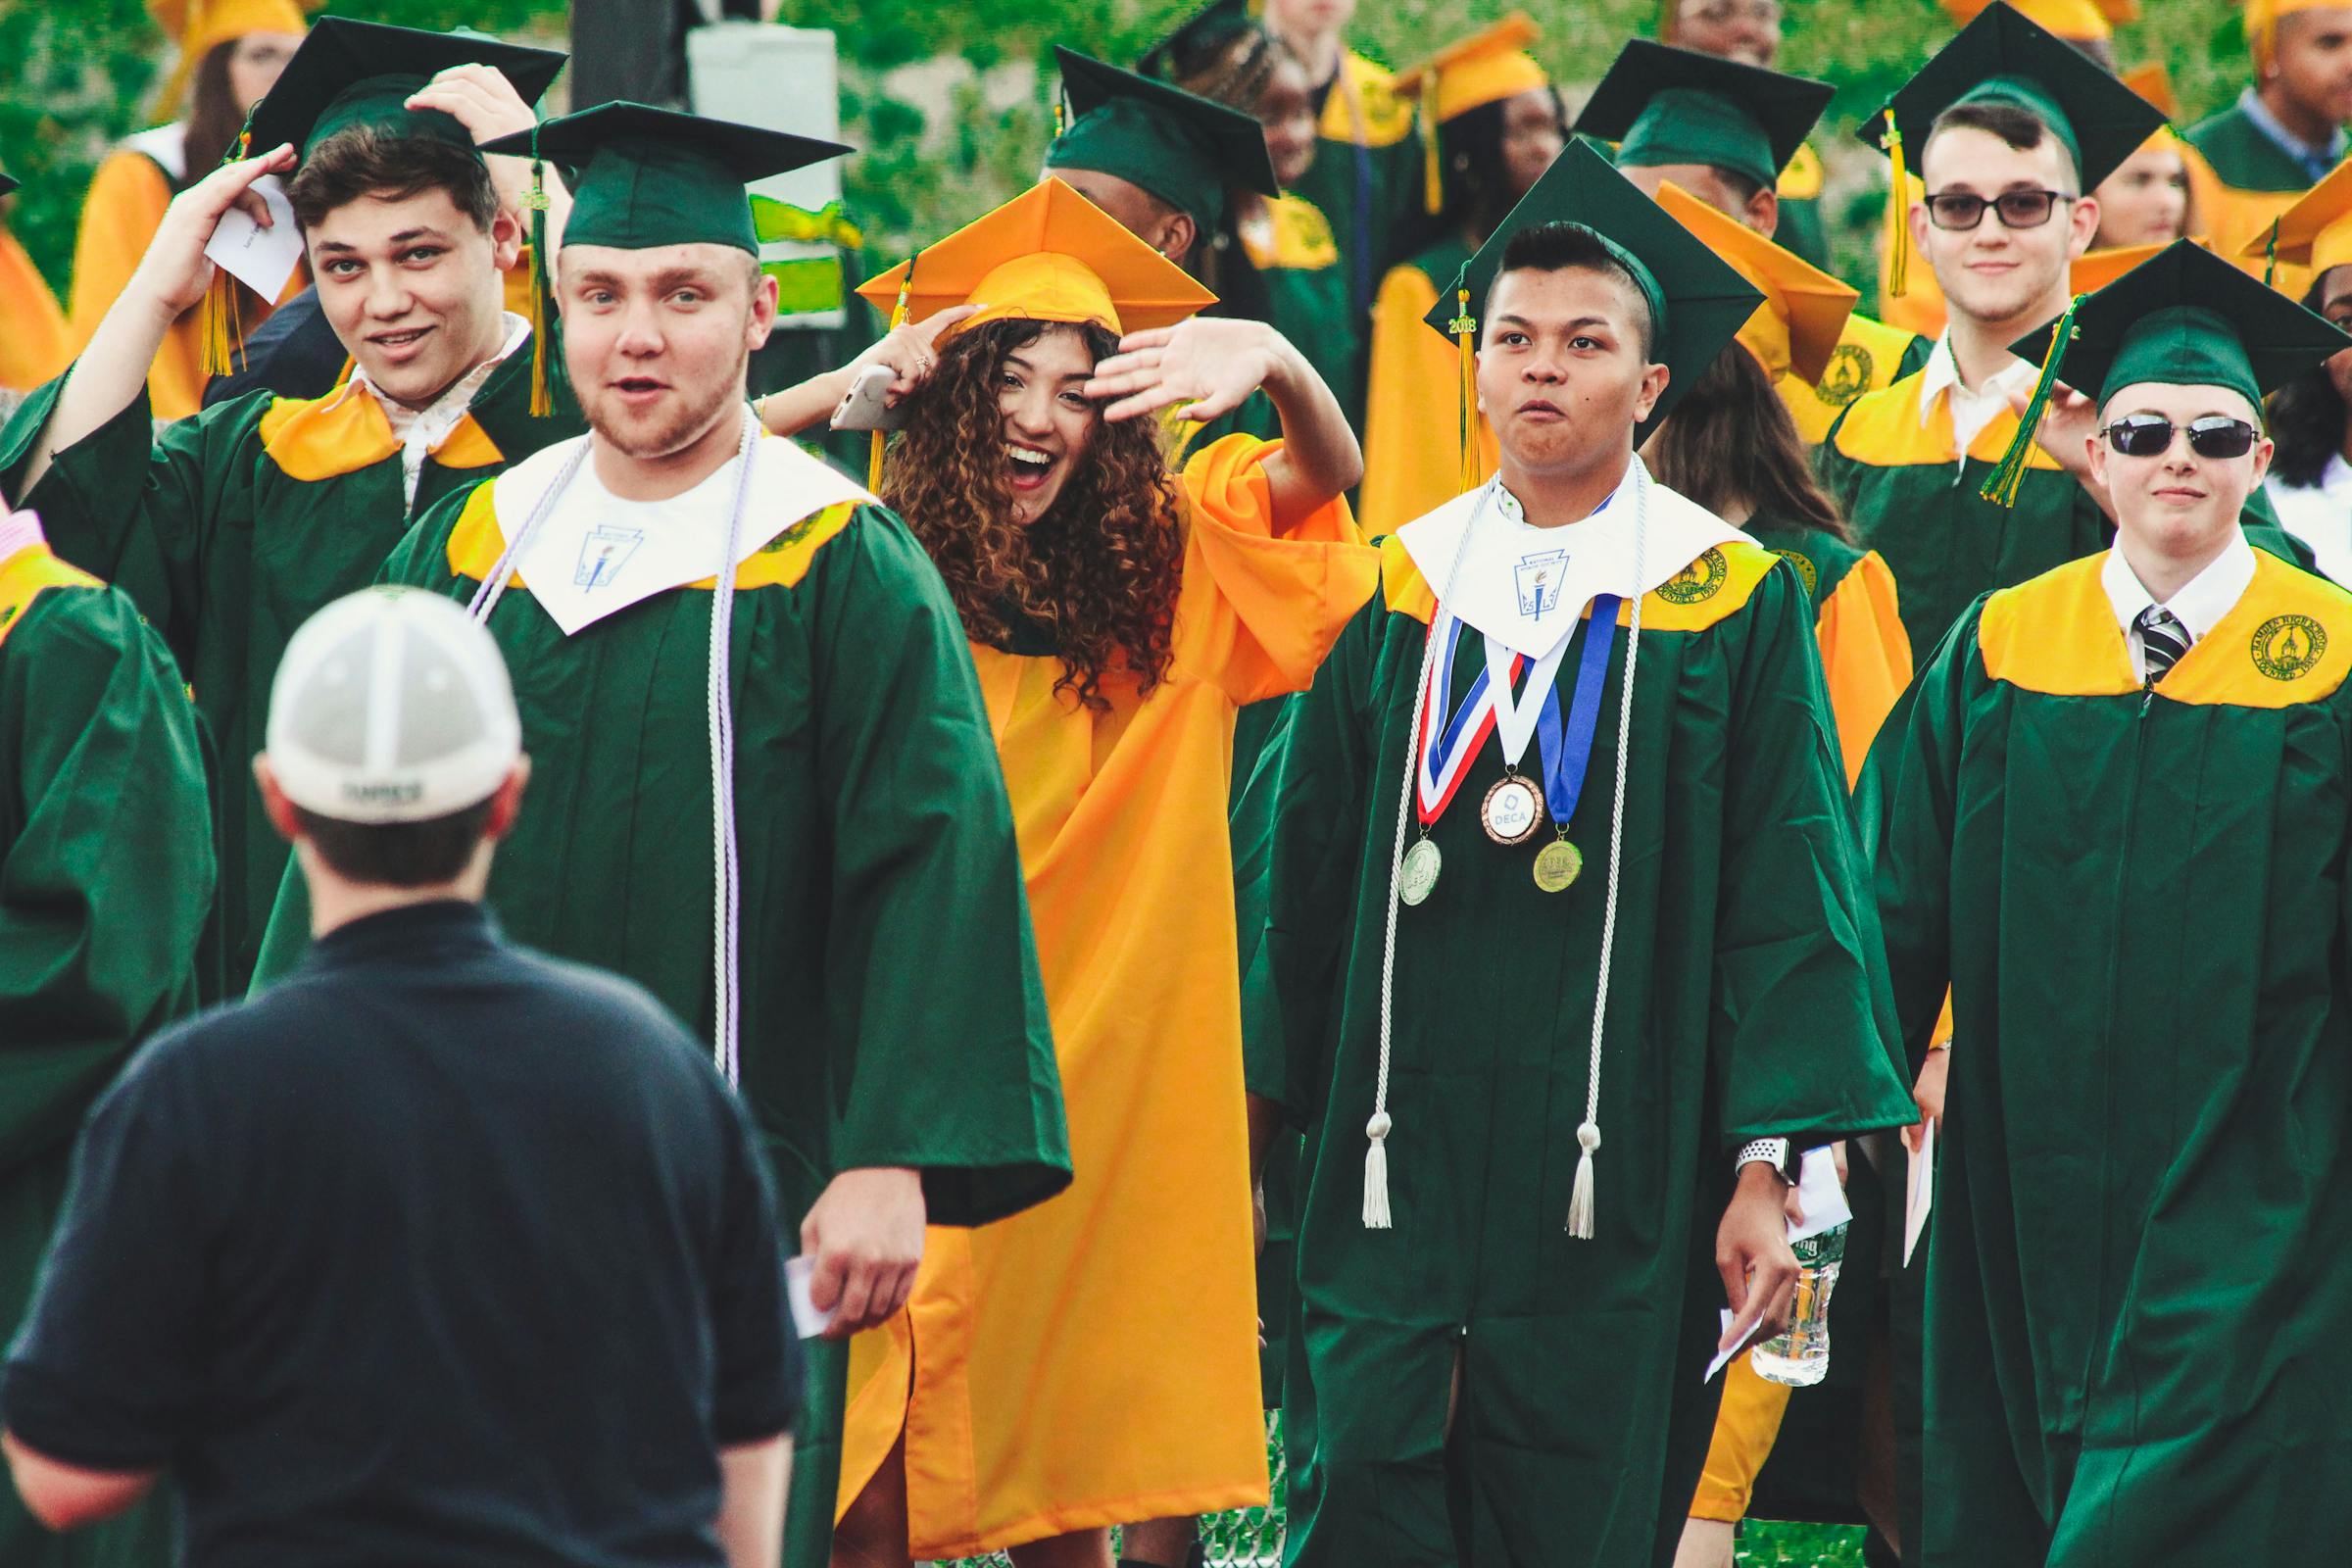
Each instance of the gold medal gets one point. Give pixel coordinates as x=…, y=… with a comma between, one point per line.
x=1512, y=810
x=1557, y=864
x=1419, y=874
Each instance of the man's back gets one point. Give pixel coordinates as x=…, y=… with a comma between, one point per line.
x=439, y=1252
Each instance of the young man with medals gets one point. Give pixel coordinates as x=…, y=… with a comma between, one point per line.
x=766, y=786
x=1647, y=914
x=106, y=881
x=229, y=529
x=2112, y=820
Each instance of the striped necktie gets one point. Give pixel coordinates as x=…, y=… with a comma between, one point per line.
x=2162, y=641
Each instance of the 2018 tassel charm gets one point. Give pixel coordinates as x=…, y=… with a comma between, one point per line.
x=1464, y=327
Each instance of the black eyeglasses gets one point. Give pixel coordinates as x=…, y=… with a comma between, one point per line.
x=2150, y=435
x=1961, y=211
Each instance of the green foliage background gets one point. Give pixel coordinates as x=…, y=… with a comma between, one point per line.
x=75, y=74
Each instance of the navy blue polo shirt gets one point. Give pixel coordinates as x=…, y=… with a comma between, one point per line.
x=440, y=1251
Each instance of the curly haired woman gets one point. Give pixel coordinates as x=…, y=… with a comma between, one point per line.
x=1094, y=1361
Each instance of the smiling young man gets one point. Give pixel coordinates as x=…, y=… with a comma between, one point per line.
x=229, y=529
x=2009, y=129
x=2113, y=821
x=766, y=791
x=1645, y=919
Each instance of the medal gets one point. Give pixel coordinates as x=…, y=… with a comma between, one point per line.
x=1418, y=877
x=1511, y=810
x=1557, y=864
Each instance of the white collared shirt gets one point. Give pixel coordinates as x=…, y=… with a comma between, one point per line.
x=1971, y=412
x=420, y=430
x=2198, y=607
x=2319, y=514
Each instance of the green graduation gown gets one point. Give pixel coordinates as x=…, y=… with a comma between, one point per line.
x=2139, y=1325
x=229, y=529
x=1745, y=1002
x=891, y=1008
x=106, y=877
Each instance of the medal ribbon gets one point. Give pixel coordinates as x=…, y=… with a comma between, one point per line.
x=1567, y=758
x=1447, y=745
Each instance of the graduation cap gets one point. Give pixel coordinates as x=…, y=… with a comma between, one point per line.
x=350, y=74
x=2315, y=233
x=1664, y=104
x=199, y=26
x=2093, y=270
x=2184, y=318
x=1207, y=29
x=2155, y=84
x=1797, y=328
x=1697, y=301
x=2076, y=21
x=2003, y=57
x=1486, y=68
x=1181, y=147
x=647, y=178
x=8, y=184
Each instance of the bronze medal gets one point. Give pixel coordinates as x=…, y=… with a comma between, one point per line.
x=1418, y=876
x=1512, y=810
x=1558, y=866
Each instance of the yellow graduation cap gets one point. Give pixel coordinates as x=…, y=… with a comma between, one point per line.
x=2093, y=270
x=2154, y=83
x=2076, y=21
x=2317, y=232
x=2262, y=22
x=1048, y=255
x=198, y=27
x=1469, y=73
x=1797, y=328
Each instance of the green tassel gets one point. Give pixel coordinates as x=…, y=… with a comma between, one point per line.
x=2010, y=473
x=543, y=312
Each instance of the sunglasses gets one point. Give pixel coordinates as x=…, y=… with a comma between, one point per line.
x=1959, y=211
x=2150, y=435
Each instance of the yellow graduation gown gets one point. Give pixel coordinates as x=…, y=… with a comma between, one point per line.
x=1413, y=402
x=34, y=345
x=1094, y=1361
x=1870, y=357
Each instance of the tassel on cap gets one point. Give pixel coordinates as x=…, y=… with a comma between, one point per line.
x=1464, y=327
x=542, y=305
x=1433, y=173
x=898, y=319
x=1376, y=1173
x=1580, y=1196
x=2002, y=487
x=220, y=322
x=1898, y=212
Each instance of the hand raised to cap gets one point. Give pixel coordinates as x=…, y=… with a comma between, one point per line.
x=1210, y=363
x=175, y=272
x=482, y=99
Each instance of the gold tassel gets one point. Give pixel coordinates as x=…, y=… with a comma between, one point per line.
x=1898, y=212
x=2010, y=473
x=220, y=322
x=898, y=319
x=543, y=314
x=1464, y=327
x=1432, y=176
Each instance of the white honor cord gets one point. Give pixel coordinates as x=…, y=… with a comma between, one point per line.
x=1376, y=1156
x=1588, y=1132
x=726, y=896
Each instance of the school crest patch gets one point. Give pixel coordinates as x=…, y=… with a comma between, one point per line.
x=2287, y=646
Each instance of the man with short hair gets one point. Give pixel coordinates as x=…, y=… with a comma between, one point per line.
x=2286, y=129
x=1647, y=917
x=1727, y=133
x=2112, y=820
x=770, y=793
x=228, y=528
x=440, y=1251
x=105, y=880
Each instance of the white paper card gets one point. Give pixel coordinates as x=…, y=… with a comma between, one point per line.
x=1919, y=1191
x=1820, y=1197
x=1748, y=1324
x=806, y=1320
x=261, y=259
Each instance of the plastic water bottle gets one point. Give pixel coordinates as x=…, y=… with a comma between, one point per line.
x=1800, y=1355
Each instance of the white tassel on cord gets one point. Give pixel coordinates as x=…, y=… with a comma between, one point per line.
x=1588, y=1131
x=1377, y=1130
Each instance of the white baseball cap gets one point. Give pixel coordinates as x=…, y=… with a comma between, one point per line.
x=391, y=705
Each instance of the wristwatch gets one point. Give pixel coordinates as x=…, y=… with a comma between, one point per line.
x=1773, y=1152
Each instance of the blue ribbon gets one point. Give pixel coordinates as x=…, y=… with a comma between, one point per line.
x=1565, y=763
x=1441, y=750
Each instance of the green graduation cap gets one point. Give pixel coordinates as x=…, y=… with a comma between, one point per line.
x=1664, y=104
x=1182, y=148
x=1206, y=31
x=350, y=74
x=6, y=184
x=1698, y=302
x=2186, y=318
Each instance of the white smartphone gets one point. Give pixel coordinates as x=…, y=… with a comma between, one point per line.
x=867, y=405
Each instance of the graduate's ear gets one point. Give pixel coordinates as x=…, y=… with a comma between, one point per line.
x=275, y=804
x=506, y=804
x=506, y=240
x=1653, y=387
x=2096, y=444
x=765, y=295
x=1763, y=212
x=1177, y=236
